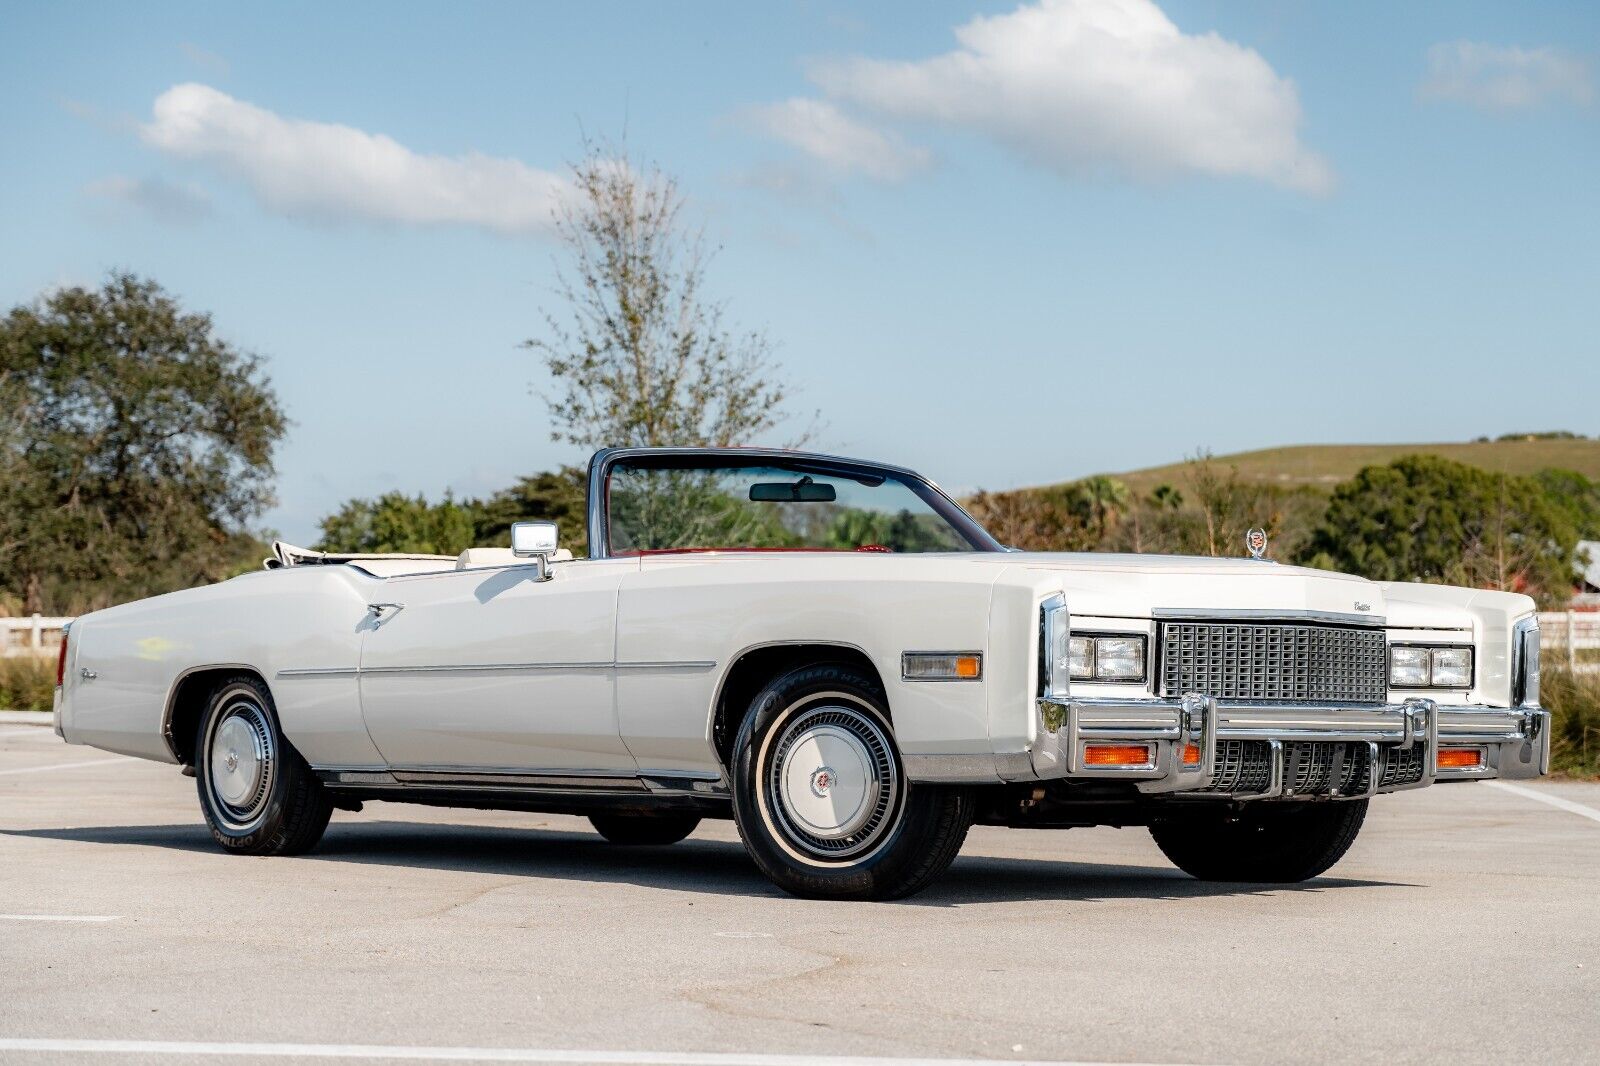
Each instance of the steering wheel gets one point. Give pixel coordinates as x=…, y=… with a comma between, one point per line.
x=873, y=548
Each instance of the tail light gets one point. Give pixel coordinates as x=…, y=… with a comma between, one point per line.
x=61, y=662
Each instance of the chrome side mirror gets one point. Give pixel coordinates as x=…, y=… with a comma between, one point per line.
x=536, y=541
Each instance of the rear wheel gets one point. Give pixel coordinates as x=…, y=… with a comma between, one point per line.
x=258, y=795
x=1281, y=843
x=820, y=798
x=644, y=829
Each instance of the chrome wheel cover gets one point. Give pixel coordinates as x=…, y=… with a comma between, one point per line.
x=241, y=762
x=831, y=786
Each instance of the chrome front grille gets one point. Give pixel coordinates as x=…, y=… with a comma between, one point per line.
x=1273, y=661
x=1244, y=767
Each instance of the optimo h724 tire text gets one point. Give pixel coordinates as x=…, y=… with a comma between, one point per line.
x=820, y=798
x=258, y=794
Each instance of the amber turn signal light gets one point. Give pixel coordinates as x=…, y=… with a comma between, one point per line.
x=941, y=666
x=1191, y=755
x=1116, y=754
x=1460, y=758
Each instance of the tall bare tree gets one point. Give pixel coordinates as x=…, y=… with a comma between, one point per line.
x=639, y=355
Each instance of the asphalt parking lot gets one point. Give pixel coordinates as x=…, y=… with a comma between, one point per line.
x=1464, y=924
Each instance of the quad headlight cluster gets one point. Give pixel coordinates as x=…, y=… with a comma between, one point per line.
x=1106, y=657
x=1075, y=656
x=1418, y=666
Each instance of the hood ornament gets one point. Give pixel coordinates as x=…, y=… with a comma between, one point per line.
x=1256, y=541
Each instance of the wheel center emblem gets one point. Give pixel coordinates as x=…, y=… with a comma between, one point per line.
x=232, y=761
x=822, y=779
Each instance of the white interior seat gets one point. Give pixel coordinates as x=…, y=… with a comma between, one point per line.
x=474, y=558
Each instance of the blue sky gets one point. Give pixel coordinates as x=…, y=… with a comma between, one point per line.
x=1003, y=245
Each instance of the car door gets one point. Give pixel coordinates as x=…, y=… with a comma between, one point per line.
x=494, y=670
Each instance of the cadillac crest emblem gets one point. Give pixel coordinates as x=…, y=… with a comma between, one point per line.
x=1256, y=541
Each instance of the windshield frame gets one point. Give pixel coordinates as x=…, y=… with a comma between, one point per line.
x=734, y=458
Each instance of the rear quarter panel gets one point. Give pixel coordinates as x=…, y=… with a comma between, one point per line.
x=292, y=619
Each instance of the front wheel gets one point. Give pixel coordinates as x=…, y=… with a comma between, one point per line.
x=1279, y=844
x=820, y=798
x=258, y=795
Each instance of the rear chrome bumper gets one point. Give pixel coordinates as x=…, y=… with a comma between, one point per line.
x=1249, y=751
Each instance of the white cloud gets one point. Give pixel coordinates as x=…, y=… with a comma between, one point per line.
x=322, y=170
x=157, y=197
x=841, y=143
x=1085, y=86
x=1505, y=79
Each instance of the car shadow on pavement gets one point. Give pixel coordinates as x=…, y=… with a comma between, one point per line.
x=695, y=865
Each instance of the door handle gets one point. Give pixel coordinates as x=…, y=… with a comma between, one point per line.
x=382, y=612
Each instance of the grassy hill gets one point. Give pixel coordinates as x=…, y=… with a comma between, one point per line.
x=1325, y=465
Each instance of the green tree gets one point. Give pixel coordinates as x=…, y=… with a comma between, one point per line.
x=1100, y=500
x=640, y=355
x=136, y=451
x=1423, y=518
x=1030, y=520
x=1576, y=496
x=1156, y=522
x=395, y=522
x=555, y=496
x=1228, y=504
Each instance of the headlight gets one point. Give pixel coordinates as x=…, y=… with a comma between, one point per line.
x=1065, y=656
x=1408, y=667
x=1104, y=657
x=1416, y=666
x=1452, y=667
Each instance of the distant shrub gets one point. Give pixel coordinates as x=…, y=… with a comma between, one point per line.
x=1573, y=700
x=27, y=683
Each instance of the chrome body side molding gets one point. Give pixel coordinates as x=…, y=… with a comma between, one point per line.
x=522, y=780
x=700, y=665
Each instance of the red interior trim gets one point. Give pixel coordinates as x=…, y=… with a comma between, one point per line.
x=630, y=552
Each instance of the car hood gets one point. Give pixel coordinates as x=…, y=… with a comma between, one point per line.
x=1145, y=585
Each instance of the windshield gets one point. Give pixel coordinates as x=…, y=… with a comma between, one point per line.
x=655, y=506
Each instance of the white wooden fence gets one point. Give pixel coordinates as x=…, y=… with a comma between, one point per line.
x=35, y=635
x=1564, y=635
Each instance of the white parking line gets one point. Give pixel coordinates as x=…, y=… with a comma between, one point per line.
x=66, y=766
x=1543, y=797
x=59, y=917
x=485, y=1054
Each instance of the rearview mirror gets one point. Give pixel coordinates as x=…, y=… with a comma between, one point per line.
x=530, y=539
x=803, y=491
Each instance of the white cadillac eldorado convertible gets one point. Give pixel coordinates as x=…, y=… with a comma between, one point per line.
x=832, y=653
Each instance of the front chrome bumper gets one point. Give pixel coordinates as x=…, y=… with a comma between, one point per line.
x=1336, y=751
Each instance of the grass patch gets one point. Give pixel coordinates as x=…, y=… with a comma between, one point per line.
x=27, y=683
x=1573, y=700
x=1325, y=465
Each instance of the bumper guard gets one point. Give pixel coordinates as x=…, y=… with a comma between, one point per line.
x=1310, y=750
